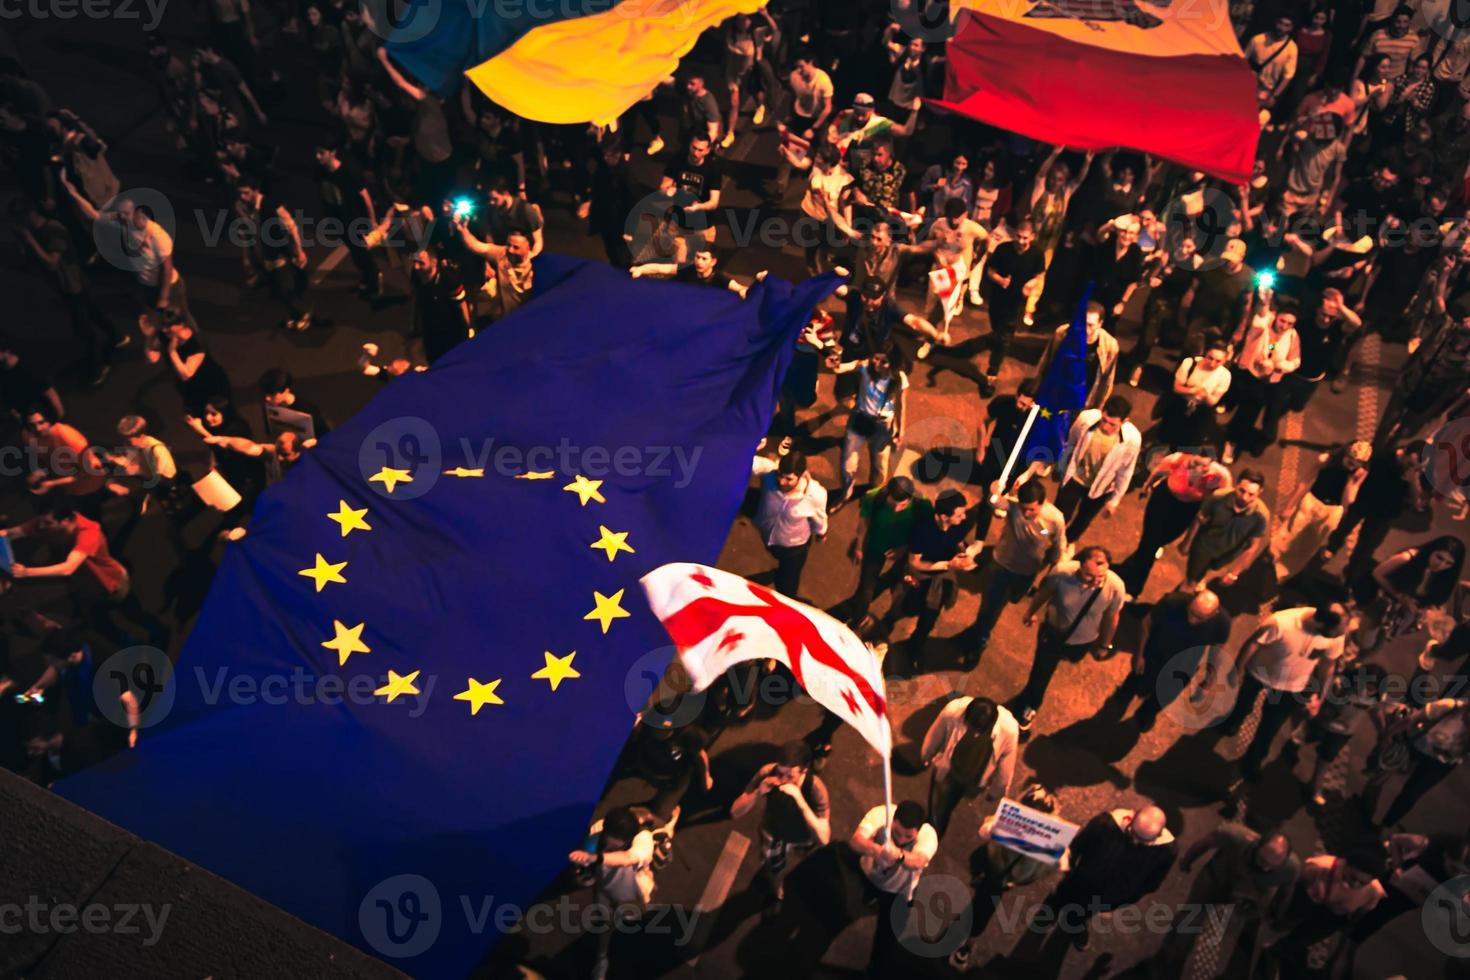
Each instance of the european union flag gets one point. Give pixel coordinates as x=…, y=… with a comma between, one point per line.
x=1062, y=391
x=411, y=679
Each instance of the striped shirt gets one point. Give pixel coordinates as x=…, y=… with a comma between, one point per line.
x=1398, y=49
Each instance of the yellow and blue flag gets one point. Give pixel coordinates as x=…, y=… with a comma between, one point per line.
x=411, y=679
x=570, y=62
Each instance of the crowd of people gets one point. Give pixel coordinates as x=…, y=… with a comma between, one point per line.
x=1225, y=307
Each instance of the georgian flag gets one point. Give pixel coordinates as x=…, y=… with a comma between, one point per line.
x=717, y=620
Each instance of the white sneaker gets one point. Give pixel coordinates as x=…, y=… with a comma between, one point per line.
x=976, y=300
x=728, y=141
x=655, y=146
x=923, y=350
x=1228, y=456
x=760, y=115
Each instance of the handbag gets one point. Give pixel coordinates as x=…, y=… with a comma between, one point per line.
x=1059, y=638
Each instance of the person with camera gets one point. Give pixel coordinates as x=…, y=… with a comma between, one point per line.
x=795, y=819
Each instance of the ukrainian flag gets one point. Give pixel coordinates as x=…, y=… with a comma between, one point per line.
x=555, y=61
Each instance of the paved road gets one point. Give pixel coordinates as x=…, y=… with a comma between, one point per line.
x=1077, y=748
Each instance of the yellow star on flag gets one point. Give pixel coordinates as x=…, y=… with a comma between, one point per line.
x=612, y=542
x=351, y=520
x=325, y=571
x=479, y=695
x=557, y=669
x=347, y=641
x=462, y=472
x=1045, y=413
x=390, y=478
x=536, y=475
x=586, y=489
x=607, y=608
x=398, y=685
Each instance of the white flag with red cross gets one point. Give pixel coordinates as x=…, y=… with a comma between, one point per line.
x=717, y=620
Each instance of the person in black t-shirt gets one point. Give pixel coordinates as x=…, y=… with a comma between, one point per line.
x=1326, y=332
x=1179, y=632
x=1011, y=276
x=696, y=178
x=21, y=388
x=1001, y=428
x=200, y=377
x=272, y=249
x=936, y=552
x=346, y=196
x=441, y=310
x=701, y=272
x=1393, y=485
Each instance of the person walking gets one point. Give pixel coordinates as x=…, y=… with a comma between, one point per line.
x=792, y=512
x=970, y=749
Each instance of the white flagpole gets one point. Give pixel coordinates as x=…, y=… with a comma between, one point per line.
x=888, y=795
x=1005, y=474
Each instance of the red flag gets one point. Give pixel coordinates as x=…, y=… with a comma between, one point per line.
x=1165, y=78
x=717, y=619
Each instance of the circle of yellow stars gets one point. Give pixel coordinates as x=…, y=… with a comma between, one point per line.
x=347, y=641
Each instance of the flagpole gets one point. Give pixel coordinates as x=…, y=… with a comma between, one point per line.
x=1005, y=474
x=888, y=795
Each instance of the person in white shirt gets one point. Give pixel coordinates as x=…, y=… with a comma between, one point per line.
x=1096, y=465
x=970, y=749
x=893, y=859
x=1200, y=382
x=1268, y=353
x=792, y=511
x=1293, y=653
x=622, y=869
x=823, y=204
x=811, y=103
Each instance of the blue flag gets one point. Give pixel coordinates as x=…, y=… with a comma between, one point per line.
x=1061, y=393
x=410, y=681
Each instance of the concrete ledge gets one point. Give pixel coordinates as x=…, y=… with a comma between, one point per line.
x=91, y=899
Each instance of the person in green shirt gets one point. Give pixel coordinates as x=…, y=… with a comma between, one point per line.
x=886, y=517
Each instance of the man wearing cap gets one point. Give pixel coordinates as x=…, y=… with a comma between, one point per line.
x=854, y=129
x=872, y=320
x=1219, y=296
